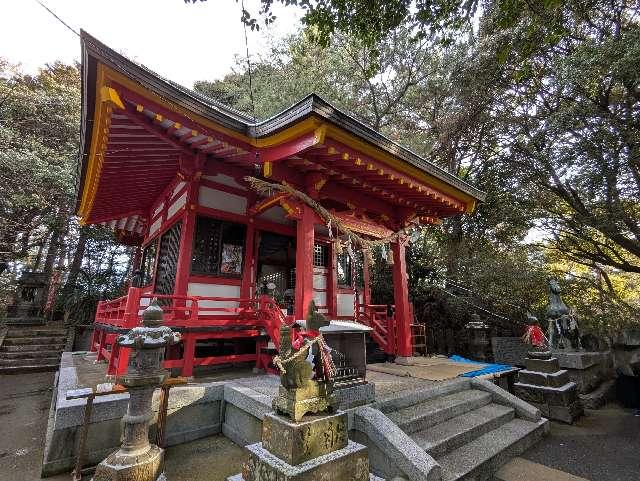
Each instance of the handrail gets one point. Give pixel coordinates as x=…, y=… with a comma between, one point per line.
x=126, y=311
x=376, y=317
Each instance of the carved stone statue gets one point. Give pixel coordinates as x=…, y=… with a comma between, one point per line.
x=304, y=389
x=563, y=326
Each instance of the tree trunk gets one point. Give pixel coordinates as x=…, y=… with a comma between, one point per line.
x=78, y=256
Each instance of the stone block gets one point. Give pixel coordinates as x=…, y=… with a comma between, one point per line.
x=529, y=393
x=556, y=379
x=542, y=365
x=148, y=466
x=355, y=396
x=587, y=379
x=628, y=338
x=599, y=397
x=509, y=350
x=543, y=407
x=577, y=359
x=240, y=426
x=561, y=396
x=567, y=414
x=298, y=442
x=350, y=463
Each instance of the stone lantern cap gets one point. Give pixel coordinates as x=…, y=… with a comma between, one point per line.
x=152, y=334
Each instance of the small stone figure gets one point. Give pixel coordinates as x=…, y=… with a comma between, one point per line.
x=563, y=326
x=304, y=389
x=137, y=459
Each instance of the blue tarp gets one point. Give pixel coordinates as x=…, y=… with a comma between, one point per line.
x=489, y=369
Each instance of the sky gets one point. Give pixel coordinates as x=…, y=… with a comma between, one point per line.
x=183, y=42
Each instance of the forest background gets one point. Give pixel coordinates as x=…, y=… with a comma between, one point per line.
x=536, y=104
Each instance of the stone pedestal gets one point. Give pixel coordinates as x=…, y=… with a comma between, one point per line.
x=547, y=387
x=589, y=370
x=315, y=449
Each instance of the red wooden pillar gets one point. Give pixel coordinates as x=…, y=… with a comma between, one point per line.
x=366, y=280
x=249, y=267
x=188, y=355
x=401, y=299
x=186, y=238
x=332, y=282
x=304, y=262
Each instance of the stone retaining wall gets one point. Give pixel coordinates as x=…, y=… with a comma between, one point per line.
x=509, y=350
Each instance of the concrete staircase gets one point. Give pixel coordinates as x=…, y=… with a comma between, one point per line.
x=31, y=349
x=466, y=431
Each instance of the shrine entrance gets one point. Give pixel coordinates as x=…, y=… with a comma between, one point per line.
x=277, y=266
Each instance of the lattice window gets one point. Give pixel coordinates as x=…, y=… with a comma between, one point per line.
x=218, y=247
x=321, y=255
x=168, y=260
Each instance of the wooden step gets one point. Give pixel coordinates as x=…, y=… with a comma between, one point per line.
x=435, y=411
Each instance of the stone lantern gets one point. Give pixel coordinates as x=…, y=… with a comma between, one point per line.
x=137, y=458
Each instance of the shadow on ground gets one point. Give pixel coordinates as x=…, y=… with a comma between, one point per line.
x=603, y=445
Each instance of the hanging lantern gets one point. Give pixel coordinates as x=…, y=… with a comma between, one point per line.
x=338, y=246
x=390, y=258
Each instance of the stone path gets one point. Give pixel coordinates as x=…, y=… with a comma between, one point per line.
x=601, y=446
x=520, y=469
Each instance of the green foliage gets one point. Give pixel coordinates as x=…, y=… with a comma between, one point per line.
x=516, y=110
x=39, y=138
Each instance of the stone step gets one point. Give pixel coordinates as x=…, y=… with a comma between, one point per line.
x=36, y=332
x=449, y=435
x=39, y=340
x=31, y=347
x=30, y=361
x=29, y=368
x=479, y=459
x=435, y=411
x=29, y=354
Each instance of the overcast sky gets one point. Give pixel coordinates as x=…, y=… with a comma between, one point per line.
x=182, y=42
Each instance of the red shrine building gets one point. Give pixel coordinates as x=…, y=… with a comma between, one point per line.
x=166, y=169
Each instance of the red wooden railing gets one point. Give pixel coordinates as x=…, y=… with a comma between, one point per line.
x=376, y=317
x=250, y=319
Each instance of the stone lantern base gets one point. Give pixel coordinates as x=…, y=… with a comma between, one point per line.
x=130, y=467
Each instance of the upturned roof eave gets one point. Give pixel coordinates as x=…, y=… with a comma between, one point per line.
x=93, y=51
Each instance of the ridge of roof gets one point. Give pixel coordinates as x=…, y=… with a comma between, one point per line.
x=233, y=118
